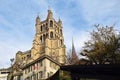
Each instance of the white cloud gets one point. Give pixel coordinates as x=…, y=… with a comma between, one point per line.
x=99, y=11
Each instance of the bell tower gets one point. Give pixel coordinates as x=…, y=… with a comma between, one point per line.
x=49, y=39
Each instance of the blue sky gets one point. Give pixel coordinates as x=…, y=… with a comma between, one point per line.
x=17, y=21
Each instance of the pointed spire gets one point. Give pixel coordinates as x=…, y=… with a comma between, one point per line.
x=74, y=57
x=50, y=14
x=59, y=22
x=37, y=20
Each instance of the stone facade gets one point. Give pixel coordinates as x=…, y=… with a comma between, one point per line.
x=46, y=55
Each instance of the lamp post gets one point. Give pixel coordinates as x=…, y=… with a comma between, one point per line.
x=12, y=60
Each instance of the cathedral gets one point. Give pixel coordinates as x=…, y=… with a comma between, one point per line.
x=47, y=54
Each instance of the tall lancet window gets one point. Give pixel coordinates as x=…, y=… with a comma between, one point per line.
x=44, y=37
x=61, y=42
x=60, y=31
x=41, y=39
x=41, y=28
x=51, y=23
x=51, y=34
x=46, y=27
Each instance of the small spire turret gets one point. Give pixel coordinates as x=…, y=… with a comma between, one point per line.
x=50, y=14
x=59, y=22
x=38, y=24
x=37, y=20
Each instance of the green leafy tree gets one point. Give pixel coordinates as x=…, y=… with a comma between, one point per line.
x=103, y=46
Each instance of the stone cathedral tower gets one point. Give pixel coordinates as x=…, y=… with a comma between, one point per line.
x=46, y=55
x=49, y=39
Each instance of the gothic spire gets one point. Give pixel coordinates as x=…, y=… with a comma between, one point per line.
x=74, y=57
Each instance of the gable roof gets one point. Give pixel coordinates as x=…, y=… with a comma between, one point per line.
x=41, y=58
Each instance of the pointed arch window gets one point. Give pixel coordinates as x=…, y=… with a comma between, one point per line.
x=46, y=24
x=61, y=42
x=44, y=37
x=60, y=31
x=41, y=39
x=51, y=34
x=41, y=28
x=51, y=23
x=46, y=27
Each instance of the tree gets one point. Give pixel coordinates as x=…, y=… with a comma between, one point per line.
x=103, y=46
x=69, y=56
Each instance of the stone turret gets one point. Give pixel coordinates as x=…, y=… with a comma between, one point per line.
x=37, y=20
x=50, y=15
x=59, y=22
x=37, y=25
